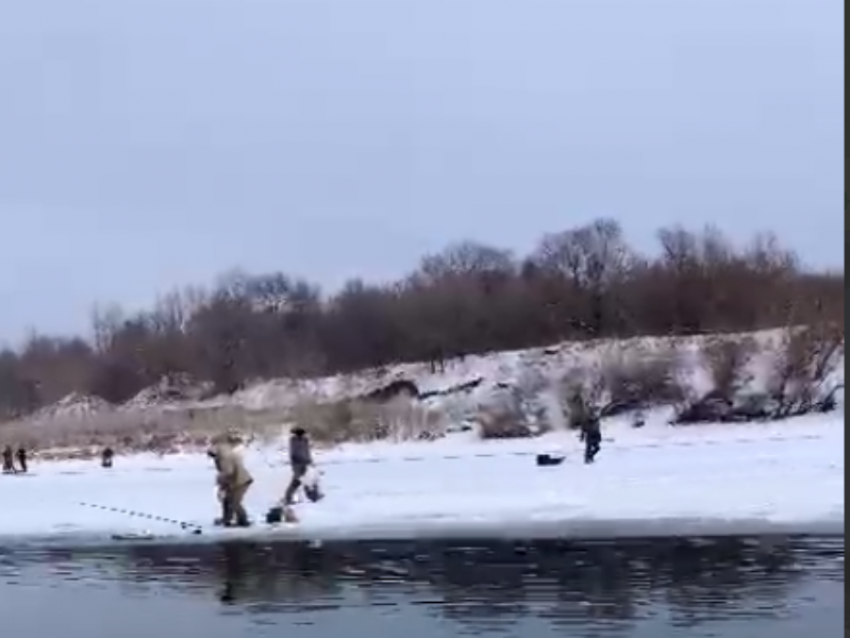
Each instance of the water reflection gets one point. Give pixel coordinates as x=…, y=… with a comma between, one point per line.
x=481, y=587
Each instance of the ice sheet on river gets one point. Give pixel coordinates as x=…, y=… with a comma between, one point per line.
x=708, y=480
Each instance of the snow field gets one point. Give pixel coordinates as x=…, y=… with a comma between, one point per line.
x=786, y=477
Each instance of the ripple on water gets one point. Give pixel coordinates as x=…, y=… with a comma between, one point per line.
x=729, y=587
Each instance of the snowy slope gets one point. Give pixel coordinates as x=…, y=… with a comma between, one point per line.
x=786, y=477
x=455, y=396
x=526, y=368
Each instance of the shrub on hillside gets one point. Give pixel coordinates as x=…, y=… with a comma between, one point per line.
x=802, y=378
x=580, y=386
x=800, y=381
x=517, y=411
x=727, y=362
x=634, y=382
x=623, y=381
x=501, y=423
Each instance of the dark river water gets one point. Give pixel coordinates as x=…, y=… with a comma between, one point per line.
x=785, y=588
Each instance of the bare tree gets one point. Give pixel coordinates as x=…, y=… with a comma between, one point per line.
x=593, y=258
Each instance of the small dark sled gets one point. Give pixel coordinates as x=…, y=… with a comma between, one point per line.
x=280, y=514
x=547, y=460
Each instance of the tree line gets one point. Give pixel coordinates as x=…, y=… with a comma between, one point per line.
x=578, y=284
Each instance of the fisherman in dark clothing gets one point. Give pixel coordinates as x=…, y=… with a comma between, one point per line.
x=8, y=460
x=22, y=459
x=585, y=419
x=591, y=434
x=300, y=458
x=106, y=457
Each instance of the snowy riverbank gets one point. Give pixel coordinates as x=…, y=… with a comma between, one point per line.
x=770, y=375
x=782, y=477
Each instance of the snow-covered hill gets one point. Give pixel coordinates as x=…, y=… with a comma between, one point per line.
x=466, y=385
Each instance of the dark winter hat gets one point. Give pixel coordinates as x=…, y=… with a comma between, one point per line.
x=299, y=431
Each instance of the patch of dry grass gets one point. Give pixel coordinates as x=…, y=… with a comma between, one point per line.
x=143, y=431
x=363, y=421
x=169, y=431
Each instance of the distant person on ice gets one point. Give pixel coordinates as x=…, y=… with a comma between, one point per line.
x=233, y=481
x=588, y=423
x=300, y=458
x=106, y=457
x=591, y=432
x=8, y=460
x=22, y=459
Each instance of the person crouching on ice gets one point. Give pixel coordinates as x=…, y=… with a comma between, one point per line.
x=300, y=458
x=233, y=481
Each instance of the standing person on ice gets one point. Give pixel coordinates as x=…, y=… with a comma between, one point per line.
x=585, y=419
x=591, y=433
x=8, y=460
x=233, y=480
x=22, y=459
x=300, y=458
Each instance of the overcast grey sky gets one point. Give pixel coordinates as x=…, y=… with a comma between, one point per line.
x=146, y=144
